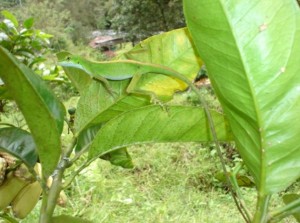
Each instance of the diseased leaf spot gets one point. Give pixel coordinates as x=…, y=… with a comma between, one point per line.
x=263, y=27
x=282, y=69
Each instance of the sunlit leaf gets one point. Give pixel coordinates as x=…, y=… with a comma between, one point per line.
x=173, y=49
x=11, y=17
x=252, y=53
x=28, y=23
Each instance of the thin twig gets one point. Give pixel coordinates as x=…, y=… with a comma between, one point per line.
x=244, y=212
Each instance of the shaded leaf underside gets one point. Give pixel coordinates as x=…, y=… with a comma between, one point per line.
x=18, y=143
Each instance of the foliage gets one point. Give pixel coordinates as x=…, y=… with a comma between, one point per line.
x=262, y=86
x=50, y=16
x=136, y=19
x=258, y=91
x=29, y=45
x=87, y=16
x=39, y=105
x=75, y=20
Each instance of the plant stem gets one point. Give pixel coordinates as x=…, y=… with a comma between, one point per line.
x=50, y=196
x=72, y=177
x=261, y=214
x=238, y=201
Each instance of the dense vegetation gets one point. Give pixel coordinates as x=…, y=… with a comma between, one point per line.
x=120, y=104
x=76, y=19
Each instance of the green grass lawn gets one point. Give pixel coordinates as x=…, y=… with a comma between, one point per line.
x=170, y=183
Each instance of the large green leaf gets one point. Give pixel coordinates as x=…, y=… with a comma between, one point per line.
x=44, y=114
x=152, y=124
x=19, y=143
x=97, y=106
x=252, y=52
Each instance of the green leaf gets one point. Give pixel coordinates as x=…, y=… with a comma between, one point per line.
x=288, y=198
x=173, y=49
x=86, y=137
x=4, y=93
x=68, y=219
x=96, y=105
x=10, y=17
x=252, y=53
x=119, y=157
x=152, y=124
x=19, y=143
x=28, y=23
x=241, y=180
x=43, y=113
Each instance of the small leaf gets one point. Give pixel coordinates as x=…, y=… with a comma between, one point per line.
x=152, y=124
x=28, y=23
x=119, y=157
x=241, y=180
x=43, y=112
x=19, y=143
x=11, y=17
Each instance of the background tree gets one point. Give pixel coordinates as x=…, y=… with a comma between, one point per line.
x=86, y=16
x=50, y=16
x=71, y=22
x=4, y=4
x=140, y=19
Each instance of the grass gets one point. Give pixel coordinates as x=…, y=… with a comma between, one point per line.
x=170, y=183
